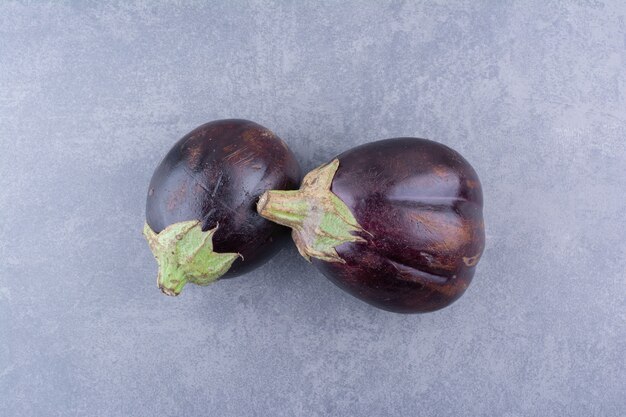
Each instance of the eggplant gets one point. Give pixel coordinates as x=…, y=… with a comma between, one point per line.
x=397, y=223
x=201, y=221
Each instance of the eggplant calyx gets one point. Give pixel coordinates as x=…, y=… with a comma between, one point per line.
x=320, y=221
x=185, y=254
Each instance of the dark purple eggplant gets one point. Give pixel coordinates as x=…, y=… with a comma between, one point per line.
x=201, y=221
x=397, y=223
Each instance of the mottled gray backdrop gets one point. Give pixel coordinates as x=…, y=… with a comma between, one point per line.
x=93, y=94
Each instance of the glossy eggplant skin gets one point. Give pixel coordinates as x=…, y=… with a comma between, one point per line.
x=215, y=174
x=421, y=203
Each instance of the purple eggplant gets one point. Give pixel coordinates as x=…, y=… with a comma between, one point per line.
x=397, y=223
x=201, y=222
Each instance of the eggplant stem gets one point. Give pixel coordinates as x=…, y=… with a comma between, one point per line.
x=319, y=219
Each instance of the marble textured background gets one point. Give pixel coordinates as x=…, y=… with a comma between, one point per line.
x=92, y=95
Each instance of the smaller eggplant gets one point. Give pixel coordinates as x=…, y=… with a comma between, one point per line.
x=201, y=222
x=397, y=223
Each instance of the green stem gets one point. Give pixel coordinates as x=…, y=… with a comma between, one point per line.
x=319, y=219
x=288, y=208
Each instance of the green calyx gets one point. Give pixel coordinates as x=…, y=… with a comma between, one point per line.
x=185, y=254
x=319, y=219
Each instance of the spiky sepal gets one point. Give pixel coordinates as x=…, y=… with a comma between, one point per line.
x=185, y=254
x=320, y=221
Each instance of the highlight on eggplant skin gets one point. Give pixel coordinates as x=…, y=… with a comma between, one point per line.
x=214, y=176
x=417, y=224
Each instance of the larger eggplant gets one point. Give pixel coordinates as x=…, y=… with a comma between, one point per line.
x=397, y=223
x=201, y=221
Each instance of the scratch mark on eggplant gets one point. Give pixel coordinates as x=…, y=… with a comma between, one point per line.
x=236, y=153
x=471, y=260
x=205, y=219
x=193, y=177
x=221, y=203
x=218, y=184
x=244, y=160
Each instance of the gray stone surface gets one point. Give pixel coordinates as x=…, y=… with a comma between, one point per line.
x=91, y=97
